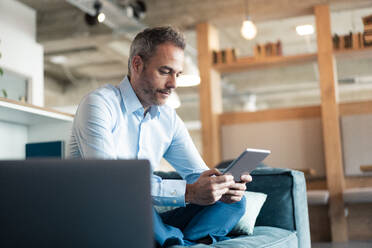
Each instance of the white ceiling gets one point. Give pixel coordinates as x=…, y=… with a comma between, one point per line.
x=100, y=54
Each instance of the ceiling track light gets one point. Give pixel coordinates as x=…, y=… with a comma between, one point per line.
x=249, y=29
x=303, y=30
x=136, y=9
x=99, y=16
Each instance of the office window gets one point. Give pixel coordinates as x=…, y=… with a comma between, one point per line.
x=14, y=86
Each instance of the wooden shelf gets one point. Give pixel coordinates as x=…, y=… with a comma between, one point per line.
x=247, y=63
x=354, y=53
x=28, y=114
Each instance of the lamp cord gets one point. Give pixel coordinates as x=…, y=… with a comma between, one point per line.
x=246, y=5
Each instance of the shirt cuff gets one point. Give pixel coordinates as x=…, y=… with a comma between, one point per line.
x=170, y=193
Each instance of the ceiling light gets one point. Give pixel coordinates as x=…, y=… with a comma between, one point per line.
x=101, y=17
x=173, y=100
x=305, y=29
x=248, y=30
x=59, y=60
x=139, y=9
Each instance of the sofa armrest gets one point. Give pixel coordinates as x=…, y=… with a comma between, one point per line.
x=286, y=203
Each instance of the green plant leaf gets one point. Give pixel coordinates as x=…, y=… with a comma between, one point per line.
x=1, y=72
x=5, y=94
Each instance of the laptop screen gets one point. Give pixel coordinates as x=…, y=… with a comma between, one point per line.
x=75, y=203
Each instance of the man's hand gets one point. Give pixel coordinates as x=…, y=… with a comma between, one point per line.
x=209, y=188
x=236, y=191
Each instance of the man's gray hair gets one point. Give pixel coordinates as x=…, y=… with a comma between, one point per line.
x=145, y=42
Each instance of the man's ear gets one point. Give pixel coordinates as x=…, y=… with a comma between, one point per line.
x=137, y=64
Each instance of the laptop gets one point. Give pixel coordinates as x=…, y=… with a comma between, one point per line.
x=75, y=203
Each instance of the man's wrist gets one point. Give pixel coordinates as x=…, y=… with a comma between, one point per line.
x=188, y=193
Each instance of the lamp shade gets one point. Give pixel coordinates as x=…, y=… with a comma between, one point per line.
x=190, y=76
x=173, y=100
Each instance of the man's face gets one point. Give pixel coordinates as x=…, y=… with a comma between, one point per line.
x=154, y=81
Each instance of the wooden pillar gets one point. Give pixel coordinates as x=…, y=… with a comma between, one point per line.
x=331, y=124
x=210, y=94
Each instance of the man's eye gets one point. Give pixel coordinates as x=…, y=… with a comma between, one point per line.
x=163, y=72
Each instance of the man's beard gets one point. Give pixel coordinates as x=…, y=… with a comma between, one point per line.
x=150, y=93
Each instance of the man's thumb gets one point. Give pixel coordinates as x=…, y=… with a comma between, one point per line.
x=211, y=172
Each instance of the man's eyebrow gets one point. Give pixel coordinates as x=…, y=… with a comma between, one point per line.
x=166, y=67
x=170, y=69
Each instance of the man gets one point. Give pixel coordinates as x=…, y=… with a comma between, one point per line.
x=131, y=121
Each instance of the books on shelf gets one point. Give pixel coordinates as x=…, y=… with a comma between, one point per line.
x=224, y=56
x=352, y=40
x=368, y=28
x=367, y=20
x=268, y=49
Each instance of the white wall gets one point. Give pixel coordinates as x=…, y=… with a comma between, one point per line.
x=12, y=140
x=51, y=132
x=356, y=143
x=20, y=52
x=296, y=144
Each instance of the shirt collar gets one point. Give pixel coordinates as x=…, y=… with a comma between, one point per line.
x=131, y=101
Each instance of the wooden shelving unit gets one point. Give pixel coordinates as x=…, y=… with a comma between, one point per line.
x=248, y=63
x=329, y=110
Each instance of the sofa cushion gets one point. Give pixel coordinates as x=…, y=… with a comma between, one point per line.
x=263, y=237
x=278, y=210
x=245, y=226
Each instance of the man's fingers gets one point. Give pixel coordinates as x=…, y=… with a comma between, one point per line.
x=235, y=198
x=223, y=179
x=230, y=199
x=232, y=192
x=238, y=186
x=246, y=178
x=225, y=185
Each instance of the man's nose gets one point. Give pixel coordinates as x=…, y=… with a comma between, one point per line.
x=172, y=81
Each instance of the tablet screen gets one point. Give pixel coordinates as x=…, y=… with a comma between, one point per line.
x=246, y=162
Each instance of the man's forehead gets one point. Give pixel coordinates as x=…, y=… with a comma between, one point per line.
x=169, y=55
x=167, y=49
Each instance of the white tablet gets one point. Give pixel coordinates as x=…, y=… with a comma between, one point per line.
x=246, y=162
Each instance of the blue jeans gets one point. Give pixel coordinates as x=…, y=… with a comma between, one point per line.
x=193, y=222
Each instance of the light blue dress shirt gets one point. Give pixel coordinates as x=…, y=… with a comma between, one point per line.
x=110, y=124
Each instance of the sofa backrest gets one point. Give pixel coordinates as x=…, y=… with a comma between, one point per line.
x=286, y=203
x=278, y=208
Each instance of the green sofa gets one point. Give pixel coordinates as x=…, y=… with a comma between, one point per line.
x=283, y=220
